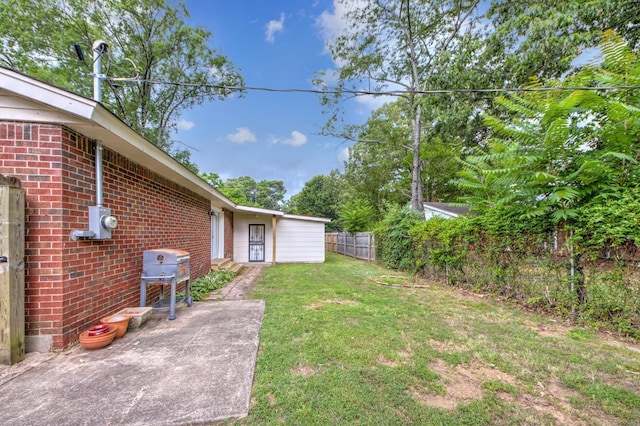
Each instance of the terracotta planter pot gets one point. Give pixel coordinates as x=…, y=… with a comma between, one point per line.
x=120, y=321
x=99, y=341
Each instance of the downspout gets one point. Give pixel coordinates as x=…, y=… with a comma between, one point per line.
x=99, y=48
x=99, y=197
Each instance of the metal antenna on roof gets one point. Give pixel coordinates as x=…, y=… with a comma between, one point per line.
x=100, y=47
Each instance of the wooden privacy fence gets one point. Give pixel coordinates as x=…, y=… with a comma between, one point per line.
x=360, y=245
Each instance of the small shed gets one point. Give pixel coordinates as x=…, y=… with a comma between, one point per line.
x=271, y=236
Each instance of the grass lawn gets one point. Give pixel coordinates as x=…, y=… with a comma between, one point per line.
x=337, y=347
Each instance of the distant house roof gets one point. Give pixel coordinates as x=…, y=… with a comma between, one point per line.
x=444, y=210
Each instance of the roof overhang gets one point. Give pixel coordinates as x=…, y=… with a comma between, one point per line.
x=258, y=210
x=23, y=98
x=279, y=214
x=307, y=218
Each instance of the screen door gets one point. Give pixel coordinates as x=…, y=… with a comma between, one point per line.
x=256, y=243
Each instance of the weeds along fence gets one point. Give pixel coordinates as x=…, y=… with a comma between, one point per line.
x=542, y=278
x=360, y=245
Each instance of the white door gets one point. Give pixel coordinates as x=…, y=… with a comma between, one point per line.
x=214, y=236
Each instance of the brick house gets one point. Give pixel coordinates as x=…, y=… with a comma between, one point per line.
x=48, y=140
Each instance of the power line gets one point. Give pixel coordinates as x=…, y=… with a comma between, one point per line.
x=373, y=92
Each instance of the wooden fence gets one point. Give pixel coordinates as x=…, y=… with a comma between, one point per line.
x=360, y=245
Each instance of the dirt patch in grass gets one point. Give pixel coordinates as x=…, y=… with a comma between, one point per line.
x=462, y=383
x=388, y=362
x=551, y=329
x=543, y=407
x=444, y=347
x=620, y=344
x=319, y=304
x=271, y=399
x=399, y=281
x=554, y=400
x=303, y=370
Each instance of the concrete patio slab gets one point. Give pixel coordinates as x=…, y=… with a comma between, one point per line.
x=197, y=369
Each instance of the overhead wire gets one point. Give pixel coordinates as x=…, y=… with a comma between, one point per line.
x=374, y=92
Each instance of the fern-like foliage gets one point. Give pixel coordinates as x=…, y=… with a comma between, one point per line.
x=554, y=153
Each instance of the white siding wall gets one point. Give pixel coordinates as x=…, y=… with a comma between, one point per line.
x=299, y=241
x=241, y=222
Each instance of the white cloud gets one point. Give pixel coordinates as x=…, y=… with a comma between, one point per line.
x=343, y=156
x=373, y=102
x=242, y=135
x=333, y=24
x=185, y=125
x=274, y=27
x=297, y=139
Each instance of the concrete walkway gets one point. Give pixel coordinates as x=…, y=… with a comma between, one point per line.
x=236, y=289
x=197, y=369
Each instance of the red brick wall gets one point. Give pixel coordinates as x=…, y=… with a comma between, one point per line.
x=228, y=234
x=70, y=285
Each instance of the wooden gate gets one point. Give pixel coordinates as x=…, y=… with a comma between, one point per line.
x=11, y=271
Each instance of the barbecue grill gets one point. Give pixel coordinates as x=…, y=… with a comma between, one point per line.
x=166, y=267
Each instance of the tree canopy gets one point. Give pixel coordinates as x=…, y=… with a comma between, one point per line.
x=320, y=196
x=267, y=194
x=149, y=42
x=407, y=149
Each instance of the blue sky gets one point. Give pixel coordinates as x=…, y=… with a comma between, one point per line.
x=272, y=136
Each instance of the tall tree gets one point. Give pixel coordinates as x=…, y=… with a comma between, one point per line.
x=241, y=190
x=212, y=179
x=379, y=168
x=402, y=43
x=268, y=194
x=320, y=196
x=148, y=40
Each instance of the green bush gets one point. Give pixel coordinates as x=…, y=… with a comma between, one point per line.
x=356, y=216
x=442, y=243
x=614, y=302
x=202, y=287
x=393, y=242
